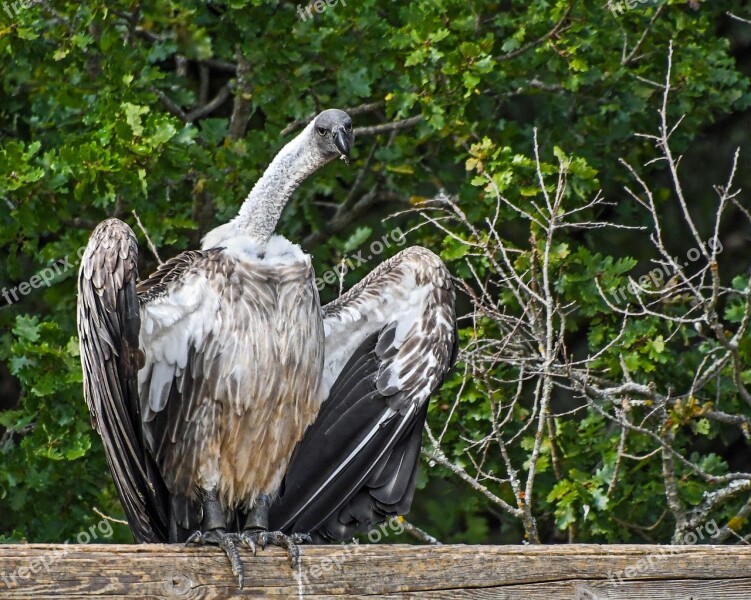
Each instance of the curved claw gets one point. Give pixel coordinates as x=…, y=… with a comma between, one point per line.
x=301, y=538
x=250, y=541
x=226, y=541
x=195, y=538
x=261, y=537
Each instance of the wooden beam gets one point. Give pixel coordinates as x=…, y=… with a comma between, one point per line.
x=578, y=572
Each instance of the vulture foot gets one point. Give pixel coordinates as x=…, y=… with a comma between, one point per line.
x=260, y=537
x=226, y=541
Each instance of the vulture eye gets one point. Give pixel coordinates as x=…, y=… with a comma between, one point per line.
x=322, y=131
x=348, y=126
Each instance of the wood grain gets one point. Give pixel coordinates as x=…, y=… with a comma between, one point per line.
x=570, y=572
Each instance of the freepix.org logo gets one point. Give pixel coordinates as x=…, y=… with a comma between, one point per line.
x=44, y=278
x=13, y=8
x=95, y=533
x=618, y=7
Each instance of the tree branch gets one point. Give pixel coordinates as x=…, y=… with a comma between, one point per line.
x=394, y=126
x=221, y=97
x=241, y=108
x=341, y=221
x=556, y=29
x=351, y=111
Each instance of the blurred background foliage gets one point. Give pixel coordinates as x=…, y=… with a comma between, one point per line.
x=173, y=109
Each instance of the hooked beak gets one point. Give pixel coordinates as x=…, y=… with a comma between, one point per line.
x=342, y=143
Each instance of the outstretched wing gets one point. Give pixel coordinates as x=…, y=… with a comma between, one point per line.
x=108, y=331
x=110, y=306
x=390, y=341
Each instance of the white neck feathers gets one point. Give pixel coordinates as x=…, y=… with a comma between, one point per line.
x=262, y=208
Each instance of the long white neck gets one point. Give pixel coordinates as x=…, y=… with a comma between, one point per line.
x=262, y=208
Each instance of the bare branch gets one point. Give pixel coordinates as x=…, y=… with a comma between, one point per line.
x=437, y=456
x=385, y=127
x=107, y=517
x=151, y=245
x=202, y=111
x=351, y=111
x=419, y=534
x=737, y=18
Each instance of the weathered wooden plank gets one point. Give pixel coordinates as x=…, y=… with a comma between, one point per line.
x=579, y=572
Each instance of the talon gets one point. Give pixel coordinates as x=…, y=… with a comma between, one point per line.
x=301, y=538
x=195, y=538
x=255, y=537
x=289, y=543
x=226, y=541
x=248, y=540
x=263, y=539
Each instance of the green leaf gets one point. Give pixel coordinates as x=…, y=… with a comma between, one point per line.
x=133, y=113
x=27, y=328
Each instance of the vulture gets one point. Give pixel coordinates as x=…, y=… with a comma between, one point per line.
x=233, y=408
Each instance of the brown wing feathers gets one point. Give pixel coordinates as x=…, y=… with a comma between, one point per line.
x=108, y=329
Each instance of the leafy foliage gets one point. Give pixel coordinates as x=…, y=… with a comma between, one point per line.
x=173, y=109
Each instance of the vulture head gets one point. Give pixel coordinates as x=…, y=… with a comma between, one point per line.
x=334, y=134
